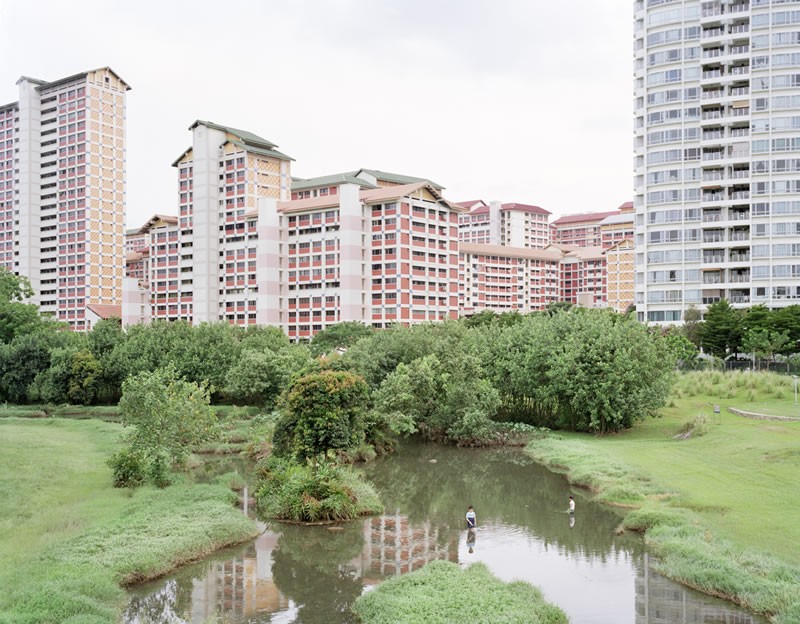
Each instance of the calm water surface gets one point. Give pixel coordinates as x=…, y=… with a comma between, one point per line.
x=311, y=575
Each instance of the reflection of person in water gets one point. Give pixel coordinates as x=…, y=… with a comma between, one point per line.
x=571, y=520
x=471, y=540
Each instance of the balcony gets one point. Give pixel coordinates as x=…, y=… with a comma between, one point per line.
x=739, y=215
x=745, y=257
x=739, y=278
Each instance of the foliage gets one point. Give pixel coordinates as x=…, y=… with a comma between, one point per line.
x=128, y=468
x=584, y=370
x=763, y=343
x=322, y=411
x=313, y=492
x=259, y=377
x=442, y=592
x=721, y=332
x=339, y=336
x=682, y=349
x=168, y=414
x=444, y=400
x=17, y=318
x=692, y=326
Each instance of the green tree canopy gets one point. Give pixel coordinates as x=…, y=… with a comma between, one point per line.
x=339, y=336
x=322, y=411
x=168, y=414
x=722, y=329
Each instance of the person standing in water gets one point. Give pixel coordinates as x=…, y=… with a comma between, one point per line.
x=472, y=521
x=571, y=505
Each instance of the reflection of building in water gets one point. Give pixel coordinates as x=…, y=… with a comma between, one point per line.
x=660, y=600
x=394, y=545
x=239, y=587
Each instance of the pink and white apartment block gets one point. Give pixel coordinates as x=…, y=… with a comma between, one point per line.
x=595, y=229
x=62, y=192
x=509, y=224
x=202, y=266
x=507, y=279
x=380, y=256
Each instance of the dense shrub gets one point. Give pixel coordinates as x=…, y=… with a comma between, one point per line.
x=128, y=468
x=316, y=491
x=322, y=411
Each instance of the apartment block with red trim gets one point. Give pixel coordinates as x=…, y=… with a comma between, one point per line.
x=507, y=279
x=202, y=264
x=62, y=192
x=381, y=255
x=510, y=224
x=592, y=229
x=582, y=278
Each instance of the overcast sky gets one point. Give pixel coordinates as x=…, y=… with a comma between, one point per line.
x=515, y=100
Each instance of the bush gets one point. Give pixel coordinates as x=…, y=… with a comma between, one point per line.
x=318, y=491
x=128, y=468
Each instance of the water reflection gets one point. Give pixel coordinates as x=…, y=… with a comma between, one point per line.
x=311, y=575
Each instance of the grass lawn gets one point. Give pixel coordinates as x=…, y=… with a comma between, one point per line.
x=721, y=509
x=442, y=593
x=741, y=477
x=69, y=540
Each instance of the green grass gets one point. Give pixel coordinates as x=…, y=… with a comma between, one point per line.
x=109, y=413
x=70, y=540
x=442, y=593
x=721, y=510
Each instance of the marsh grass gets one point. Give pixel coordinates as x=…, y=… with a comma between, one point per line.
x=720, y=510
x=70, y=540
x=443, y=593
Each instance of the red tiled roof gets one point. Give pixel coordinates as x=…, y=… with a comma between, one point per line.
x=550, y=253
x=106, y=311
x=626, y=206
x=471, y=204
x=586, y=217
x=525, y=208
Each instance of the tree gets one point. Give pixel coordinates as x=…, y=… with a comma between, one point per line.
x=259, y=377
x=763, y=343
x=722, y=329
x=444, y=400
x=73, y=376
x=682, y=349
x=17, y=318
x=592, y=371
x=339, y=336
x=692, y=325
x=168, y=414
x=322, y=411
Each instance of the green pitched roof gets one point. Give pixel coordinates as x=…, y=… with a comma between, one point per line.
x=243, y=135
x=263, y=151
x=397, y=178
x=300, y=184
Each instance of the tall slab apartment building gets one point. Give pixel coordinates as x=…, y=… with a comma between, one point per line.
x=717, y=154
x=62, y=191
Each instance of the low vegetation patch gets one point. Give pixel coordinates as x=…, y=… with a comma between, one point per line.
x=442, y=593
x=77, y=540
x=317, y=491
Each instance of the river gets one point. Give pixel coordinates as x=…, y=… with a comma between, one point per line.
x=311, y=575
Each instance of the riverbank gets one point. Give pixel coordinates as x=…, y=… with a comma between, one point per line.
x=442, y=592
x=719, y=510
x=71, y=541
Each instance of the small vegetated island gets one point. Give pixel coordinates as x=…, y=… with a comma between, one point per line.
x=312, y=410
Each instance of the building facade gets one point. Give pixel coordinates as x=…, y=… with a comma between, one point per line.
x=717, y=144
x=581, y=230
x=379, y=256
x=510, y=224
x=507, y=279
x=62, y=191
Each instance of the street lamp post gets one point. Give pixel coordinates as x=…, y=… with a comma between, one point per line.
x=794, y=378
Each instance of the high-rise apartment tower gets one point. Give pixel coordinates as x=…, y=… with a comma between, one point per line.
x=717, y=154
x=62, y=191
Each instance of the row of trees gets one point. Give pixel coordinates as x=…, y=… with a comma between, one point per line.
x=726, y=331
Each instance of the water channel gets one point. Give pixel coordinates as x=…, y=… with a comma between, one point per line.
x=311, y=575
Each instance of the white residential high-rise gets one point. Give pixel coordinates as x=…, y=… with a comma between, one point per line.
x=62, y=192
x=717, y=154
